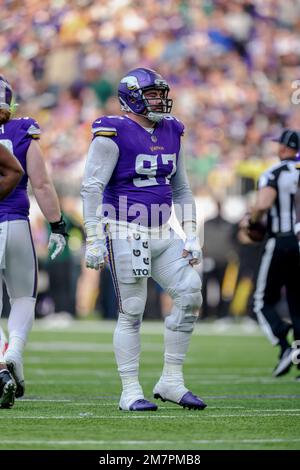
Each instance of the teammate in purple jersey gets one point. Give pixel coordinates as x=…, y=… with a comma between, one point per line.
x=10, y=172
x=134, y=172
x=18, y=267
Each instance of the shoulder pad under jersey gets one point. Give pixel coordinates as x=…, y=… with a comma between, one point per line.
x=106, y=126
x=179, y=126
x=31, y=127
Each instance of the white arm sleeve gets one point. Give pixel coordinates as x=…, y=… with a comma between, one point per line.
x=184, y=204
x=102, y=158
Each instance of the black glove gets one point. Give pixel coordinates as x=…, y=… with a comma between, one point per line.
x=58, y=237
x=59, y=227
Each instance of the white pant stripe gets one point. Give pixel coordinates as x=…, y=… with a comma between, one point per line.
x=260, y=290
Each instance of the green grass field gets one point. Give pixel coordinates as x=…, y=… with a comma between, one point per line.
x=73, y=391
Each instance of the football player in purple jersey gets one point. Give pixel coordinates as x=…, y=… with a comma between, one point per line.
x=134, y=172
x=18, y=266
x=10, y=172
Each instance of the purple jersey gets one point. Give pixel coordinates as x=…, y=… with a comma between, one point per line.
x=139, y=189
x=16, y=135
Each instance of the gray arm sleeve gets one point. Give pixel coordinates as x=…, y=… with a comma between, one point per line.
x=102, y=158
x=184, y=204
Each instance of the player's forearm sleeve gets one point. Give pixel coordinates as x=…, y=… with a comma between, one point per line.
x=184, y=204
x=102, y=158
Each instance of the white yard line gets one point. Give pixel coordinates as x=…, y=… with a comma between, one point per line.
x=147, y=378
x=244, y=328
x=145, y=442
x=238, y=372
x=106, y=373
x=68, y=382
x=129, y=415
x=96, y=402
x=51, y=400
x=34, y=360
x=73, y=346
x=70, y=346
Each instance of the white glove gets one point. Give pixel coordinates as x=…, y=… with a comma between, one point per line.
x=95, y=253
x=192, y=247
x=57, y=242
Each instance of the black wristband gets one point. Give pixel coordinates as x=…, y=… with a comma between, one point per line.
x=59, y=227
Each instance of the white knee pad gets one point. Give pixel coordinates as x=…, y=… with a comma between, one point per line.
x=187, y=301
x=21, y=316
x=133, y=308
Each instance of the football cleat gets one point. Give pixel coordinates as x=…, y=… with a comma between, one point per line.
x=7, y=389
x=166, y=392
x=16, y=370
x=284, y=364
x=140, y=405
x=133, y=400
x=192, y=402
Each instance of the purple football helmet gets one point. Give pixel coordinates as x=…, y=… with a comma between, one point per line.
x=6, y=94
x=131, y=94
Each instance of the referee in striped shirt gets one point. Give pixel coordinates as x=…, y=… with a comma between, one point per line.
x=278, y=196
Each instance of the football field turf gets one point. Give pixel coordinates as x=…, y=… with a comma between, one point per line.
x=73, y=389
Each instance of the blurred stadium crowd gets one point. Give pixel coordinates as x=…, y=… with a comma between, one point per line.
x=232, y=67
